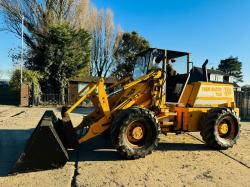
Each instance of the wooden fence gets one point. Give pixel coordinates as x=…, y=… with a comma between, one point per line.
x=243, y=102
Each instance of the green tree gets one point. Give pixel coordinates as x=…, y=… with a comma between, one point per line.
x=29, y=77
x=56, y=46
x=128, y=47
x=66, y=52
x=232, y=66
x=245, y=88
x=62, y=54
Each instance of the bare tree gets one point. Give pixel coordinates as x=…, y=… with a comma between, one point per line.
x=39, y=15
x=105, y=39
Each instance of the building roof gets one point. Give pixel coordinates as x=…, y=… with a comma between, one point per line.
x=89, y=79
x=197, y=74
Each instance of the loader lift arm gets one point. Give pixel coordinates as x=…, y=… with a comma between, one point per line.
x=99, y=98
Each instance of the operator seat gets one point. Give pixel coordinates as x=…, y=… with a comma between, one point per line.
x=175, y=86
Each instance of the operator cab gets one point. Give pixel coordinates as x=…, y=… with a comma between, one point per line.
x=175, y=66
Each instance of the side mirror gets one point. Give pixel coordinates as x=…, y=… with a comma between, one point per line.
x=173, y=60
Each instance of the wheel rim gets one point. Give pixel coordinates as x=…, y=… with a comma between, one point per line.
x=227, y=128
x=136, y=133
x=223, y=128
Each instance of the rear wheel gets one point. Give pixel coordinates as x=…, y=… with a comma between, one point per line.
x=220, y=128
x=135, y=132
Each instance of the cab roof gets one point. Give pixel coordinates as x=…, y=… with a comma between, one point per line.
x=170, y=53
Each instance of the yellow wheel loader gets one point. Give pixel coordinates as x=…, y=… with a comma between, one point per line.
x=134, y=111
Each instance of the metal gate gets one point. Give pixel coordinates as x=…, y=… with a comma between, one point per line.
x=50, y=99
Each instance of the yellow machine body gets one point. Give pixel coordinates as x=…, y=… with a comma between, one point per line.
x=198, y=98
x=136, y=109
x=145, y=92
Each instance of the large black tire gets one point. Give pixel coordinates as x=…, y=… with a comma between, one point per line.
x=220, y=128
x=135, y=132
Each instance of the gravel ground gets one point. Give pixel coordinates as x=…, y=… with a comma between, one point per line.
x=181, y=160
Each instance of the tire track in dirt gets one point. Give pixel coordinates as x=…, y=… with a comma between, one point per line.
x=3, y=111
x=225, y=154
x=12, y=115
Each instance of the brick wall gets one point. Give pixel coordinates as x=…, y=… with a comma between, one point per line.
x=73, y=89
x=24, y=100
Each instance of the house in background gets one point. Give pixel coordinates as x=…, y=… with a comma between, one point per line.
x=213, y=76
x=78, y=83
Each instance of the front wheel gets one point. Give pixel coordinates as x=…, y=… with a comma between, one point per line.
x=135, y=132
x=220, y=128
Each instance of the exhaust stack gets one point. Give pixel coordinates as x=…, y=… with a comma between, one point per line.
x=204, y=69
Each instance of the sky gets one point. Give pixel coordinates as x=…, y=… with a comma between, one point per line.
x=209, y=29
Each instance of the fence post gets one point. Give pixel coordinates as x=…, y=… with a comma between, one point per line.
x=248, y=105
x=242, y=100
x=24, y=95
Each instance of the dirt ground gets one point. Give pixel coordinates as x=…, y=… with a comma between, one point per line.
x=179, y=160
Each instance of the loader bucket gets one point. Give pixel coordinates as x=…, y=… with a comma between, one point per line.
x=47, y=146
